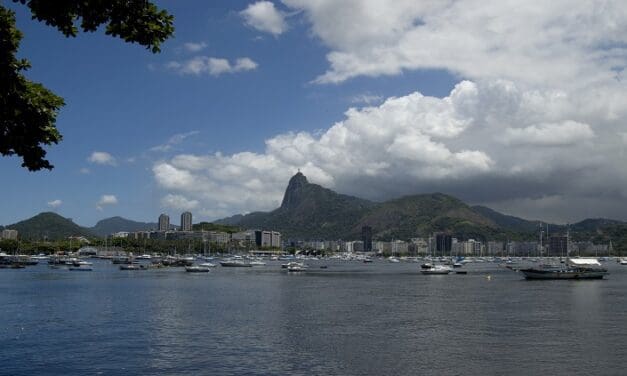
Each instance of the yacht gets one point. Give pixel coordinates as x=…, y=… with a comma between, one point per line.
x=197, y=269
x=81, y=268
x=622, y=260
x=574, y=268
x=234, y=263
x=436, y=269
x=296, y=267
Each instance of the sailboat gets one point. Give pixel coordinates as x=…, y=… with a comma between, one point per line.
x=572, y=268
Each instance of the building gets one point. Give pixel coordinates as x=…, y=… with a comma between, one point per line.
x=9, y=234
x=443, y=244
x=186, y=221
x=164, y=222
x=266, y=239
x=366, y=238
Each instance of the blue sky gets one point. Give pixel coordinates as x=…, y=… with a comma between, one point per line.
x=472, y=109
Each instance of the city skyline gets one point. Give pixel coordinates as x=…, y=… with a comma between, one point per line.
x=217, y=123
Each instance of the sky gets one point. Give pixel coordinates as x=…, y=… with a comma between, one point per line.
x=519, y=106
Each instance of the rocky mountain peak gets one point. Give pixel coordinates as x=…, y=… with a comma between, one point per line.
x=293, y=193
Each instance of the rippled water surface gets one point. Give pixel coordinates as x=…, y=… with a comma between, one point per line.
x=348, y=319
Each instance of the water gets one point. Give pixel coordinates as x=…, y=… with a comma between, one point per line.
x=349, y=319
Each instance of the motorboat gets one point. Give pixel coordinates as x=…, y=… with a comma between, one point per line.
x=257, y=263
x=197, y=269
x=235, y=263
x=130, y=267
x=81, y=268
x=437, y=269
x=622, y=260
x=296, y=267
x=208, y=265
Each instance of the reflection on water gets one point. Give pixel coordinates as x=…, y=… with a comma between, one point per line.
x=349, y=319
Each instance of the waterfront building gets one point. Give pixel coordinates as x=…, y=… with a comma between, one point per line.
x=186, y=221
x=164, y=222
x=268, y=239
x=366, y=238
x=9, y=234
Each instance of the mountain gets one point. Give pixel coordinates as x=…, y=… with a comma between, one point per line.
x=309, y=211
x=116, y=224
x=508, y=222
x=50, y=226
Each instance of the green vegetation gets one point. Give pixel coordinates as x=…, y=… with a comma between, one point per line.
x=28, y=111
x=49, y=226
x=207, y=226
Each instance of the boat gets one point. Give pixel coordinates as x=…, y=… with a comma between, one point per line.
x=622, y=260
x=197, y=269
x=296, y=267
x=574, y=268
x=81, y=268
x=426, y=265
x=234, y=264
x=257, y=263
x=393, y=260
x=208, y=265
x=130, y=267
x=436, y=269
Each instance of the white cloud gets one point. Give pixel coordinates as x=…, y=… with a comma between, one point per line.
x=263, y=16
x=173, y=141
x=367, y=99
x=84, y=171
x=488, y=141
x=55, y=203
x=102, y=158
x=210, y=65
x=178, y=202
x=566, y=133
x=194, y=46
x=561, y=42
x=106, y=200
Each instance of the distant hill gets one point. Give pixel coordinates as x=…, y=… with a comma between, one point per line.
x=50, y=226
x=508, y=222
x=206, y=226
x=309, y=211
x=116, y=224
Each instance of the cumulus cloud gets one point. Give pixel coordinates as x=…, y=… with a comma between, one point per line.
x=557, y=43
x=486, y=142
x=102, y=158
x=55, y=203
x=263, y=16
x=178, y=202
x=173, y=141
x=211, y=65
x=194, y=46
x=106, y=200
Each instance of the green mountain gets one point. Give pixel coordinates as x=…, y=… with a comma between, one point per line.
x=508, y=222
x=50, y=226
x=112, y=225
x=309, y=211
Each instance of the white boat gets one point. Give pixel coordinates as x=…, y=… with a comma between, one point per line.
x=296, y=267
x=393, y=260
x=130, y=267
x=207, y=265
x=144, y=257
x=257, y=263
x=81, y=268
x=622, y=260
x=437, y=269
x=234, y=263
x=196, y=269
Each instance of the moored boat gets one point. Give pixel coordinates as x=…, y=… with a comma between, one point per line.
x=197, y=269
x=575, y=268
x=436, y=270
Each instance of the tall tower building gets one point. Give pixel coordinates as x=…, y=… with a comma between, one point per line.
x=164, y=222
x=186, y=221
x=366, y=237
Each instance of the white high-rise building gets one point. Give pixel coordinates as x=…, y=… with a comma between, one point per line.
x=186, y=221
x=164, y=222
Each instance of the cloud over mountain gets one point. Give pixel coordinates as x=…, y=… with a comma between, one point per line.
x=535, y=121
